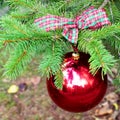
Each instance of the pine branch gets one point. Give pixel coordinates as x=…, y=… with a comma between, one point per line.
x=52, y=59
x=90, y=42
x=116, y=42
x=13, y=38
x=104, y=4
x=113, y=43
x=113, y=11
x=18, y=60
x=100, y=57
x=21, y=57
x=24, y=48
x=10, y=24
x=24, y=3
x=106, y=33
x=59, y=79
x=116, y=80
x=14, y=31
x=100, y=34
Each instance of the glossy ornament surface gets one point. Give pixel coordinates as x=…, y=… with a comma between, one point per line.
x=81, y=90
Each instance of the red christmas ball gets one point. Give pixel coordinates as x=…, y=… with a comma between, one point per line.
x=81, y=90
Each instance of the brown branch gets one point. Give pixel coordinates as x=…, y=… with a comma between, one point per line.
x=104, y=4
x=18, y=60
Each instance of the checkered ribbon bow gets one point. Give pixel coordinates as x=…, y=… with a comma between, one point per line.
x=91, y=18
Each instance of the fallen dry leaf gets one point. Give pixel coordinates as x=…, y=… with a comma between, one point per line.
x=35, y=80
x=104, y=110
x=112, y=97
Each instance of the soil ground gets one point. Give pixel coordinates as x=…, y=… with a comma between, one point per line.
x=35, y=104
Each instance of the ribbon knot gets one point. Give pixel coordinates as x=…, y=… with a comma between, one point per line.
x=90, y=19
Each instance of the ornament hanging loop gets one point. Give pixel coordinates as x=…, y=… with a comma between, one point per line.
x=75, y=54
x=75, y=48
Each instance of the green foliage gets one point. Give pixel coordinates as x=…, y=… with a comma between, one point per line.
x=20, y=58
x=90, y=41
x=3, y=97
x=114, y=11
x=52, y=58
x=23, y=40
x=59, y=79
x=100, y=57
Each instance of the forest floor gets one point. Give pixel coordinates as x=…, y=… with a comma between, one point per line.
x=34, y=103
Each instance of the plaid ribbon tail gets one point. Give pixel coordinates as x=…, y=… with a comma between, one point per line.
x=71, y=34
x=51, y=22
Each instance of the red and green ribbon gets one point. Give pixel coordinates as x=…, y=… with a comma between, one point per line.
x=90, y=19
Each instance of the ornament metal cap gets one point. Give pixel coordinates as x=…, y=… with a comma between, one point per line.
x=75, y=55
